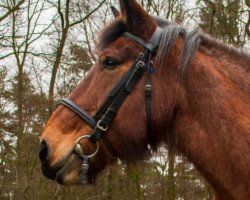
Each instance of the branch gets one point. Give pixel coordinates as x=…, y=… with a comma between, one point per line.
x=67, y=13
x=12, y=10
x=60, y=13
x=27, y=52
x=248, y=25
x=87, y=15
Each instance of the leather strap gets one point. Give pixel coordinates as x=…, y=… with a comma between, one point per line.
x=79, y=111
x=152, y=44
x=148, y=90
x=103, y=108
x=129, y=81
x=155, y=39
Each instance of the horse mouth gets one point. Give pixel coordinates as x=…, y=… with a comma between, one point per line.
x=67, y=171
x=58, y=171
x=50, y=172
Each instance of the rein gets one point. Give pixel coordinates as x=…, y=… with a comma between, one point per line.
x=108, y=110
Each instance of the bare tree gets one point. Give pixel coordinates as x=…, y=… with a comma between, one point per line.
x=247, y=27
x=9, y=7
x=225, y=20
x=64, y=12
x=21, y=29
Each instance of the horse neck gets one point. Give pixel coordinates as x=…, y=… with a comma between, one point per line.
x=213, y=124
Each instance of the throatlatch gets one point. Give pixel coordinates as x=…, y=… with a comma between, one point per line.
x=107, y=111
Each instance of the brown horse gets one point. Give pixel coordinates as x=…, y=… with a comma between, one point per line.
x=200, y=105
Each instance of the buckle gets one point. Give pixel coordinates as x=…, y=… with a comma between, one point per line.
x=148, y=89
x=100, y=127
x=140, y=64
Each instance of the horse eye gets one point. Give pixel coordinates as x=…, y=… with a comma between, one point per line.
x=110, y=63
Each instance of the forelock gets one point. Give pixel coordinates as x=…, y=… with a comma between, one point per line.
x=110, y=33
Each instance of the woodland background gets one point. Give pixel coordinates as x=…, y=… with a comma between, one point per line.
x=46, y=47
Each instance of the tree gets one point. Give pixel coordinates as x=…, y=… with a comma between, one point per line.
x=9, y=7
x=168, y=9
x=64, y=11
x=6, y=148
x=73, y=70
x=224, y=20
x=247, y=28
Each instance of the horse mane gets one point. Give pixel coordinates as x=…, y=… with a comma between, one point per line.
x=193, y=40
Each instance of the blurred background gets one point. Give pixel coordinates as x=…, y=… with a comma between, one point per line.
x=46, y=48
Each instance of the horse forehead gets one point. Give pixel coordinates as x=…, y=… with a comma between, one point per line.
x=123, y=47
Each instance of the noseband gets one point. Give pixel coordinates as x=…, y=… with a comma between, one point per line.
x=107, y=111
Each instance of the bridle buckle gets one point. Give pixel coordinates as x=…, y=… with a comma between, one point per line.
x=140, y=64
x=100, y=127
x=148, y=89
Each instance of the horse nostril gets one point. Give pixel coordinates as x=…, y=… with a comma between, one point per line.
x=43, y=151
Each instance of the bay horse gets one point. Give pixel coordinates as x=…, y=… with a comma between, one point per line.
x=155, y=82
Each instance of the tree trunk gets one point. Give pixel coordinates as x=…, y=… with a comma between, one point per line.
x=171, y=178
x=55, y=69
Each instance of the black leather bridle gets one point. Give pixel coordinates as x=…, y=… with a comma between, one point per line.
x=107, y=111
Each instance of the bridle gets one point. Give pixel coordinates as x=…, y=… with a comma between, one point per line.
x=107, y=111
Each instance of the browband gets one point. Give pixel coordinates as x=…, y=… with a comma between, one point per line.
x=152, y=44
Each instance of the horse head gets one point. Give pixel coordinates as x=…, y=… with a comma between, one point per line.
x=126, y=49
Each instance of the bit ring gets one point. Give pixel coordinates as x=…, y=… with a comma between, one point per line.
x=79, y=150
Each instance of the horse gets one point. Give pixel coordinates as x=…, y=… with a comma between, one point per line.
x=155, y=82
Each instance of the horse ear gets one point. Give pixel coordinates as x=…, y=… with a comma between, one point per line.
x=115, y=12
x=136, y=19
